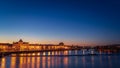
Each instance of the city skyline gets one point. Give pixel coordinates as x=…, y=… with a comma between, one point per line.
x=50, y=22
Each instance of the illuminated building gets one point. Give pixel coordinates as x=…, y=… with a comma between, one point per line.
x=23, y=46
x=20, y=45
x=5, y=46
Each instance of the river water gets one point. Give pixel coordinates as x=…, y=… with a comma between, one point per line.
x=60, y=59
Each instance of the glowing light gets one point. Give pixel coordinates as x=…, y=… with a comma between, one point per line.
x=92, y=52
x=33, y=54
x=83, y=51
x=65, y=52
x=66, y=47
x=38, y=53
x=53, y=53
x=44, y=53
x=48, y=53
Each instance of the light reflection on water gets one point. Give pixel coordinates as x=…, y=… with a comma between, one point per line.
x=34, y=60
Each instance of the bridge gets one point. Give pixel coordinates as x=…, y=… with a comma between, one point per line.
x=8, y=52
x=84, y=52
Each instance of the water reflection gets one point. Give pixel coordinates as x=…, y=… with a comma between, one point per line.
x=28, y=62
x=35, y=60
x=3, y=63
x=13, y=63
x=83, y=61
x=109, y=61
x=92, y=61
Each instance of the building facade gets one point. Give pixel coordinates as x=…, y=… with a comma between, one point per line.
x=22, y=46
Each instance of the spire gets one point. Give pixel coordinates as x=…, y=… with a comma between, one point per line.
x=20, y=40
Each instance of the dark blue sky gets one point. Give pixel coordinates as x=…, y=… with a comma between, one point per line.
x=53, y=21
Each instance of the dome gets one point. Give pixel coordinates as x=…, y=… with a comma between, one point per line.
x=20, y=40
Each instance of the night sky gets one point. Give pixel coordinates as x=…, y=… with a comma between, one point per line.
x=78, y=22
